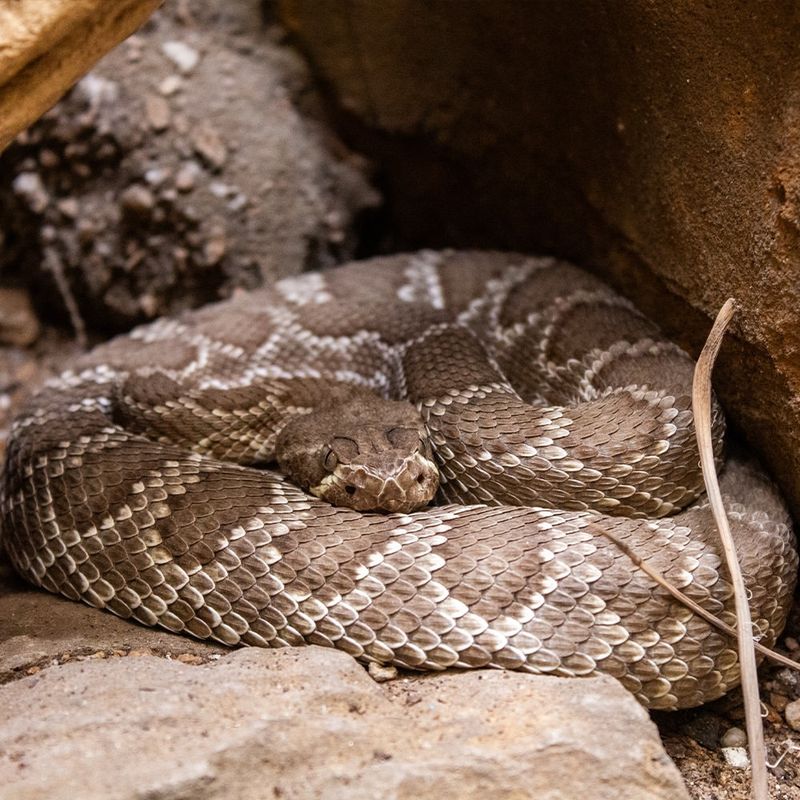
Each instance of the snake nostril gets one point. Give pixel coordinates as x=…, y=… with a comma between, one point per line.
x=350, y=489
x=420, y=478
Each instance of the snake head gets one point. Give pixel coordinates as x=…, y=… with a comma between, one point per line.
x=368, y=454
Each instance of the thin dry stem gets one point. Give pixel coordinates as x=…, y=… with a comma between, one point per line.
x=56, y=269
x=710, y=618
x=701, y=406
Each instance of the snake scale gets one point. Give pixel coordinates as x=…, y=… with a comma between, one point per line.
x=142, y=480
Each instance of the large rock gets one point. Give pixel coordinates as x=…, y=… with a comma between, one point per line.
x=48, y=44
x=658, y=143
x=88, y=710
x=310, y=723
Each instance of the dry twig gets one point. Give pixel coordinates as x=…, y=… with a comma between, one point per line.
x=56, y=269
x=710, y=618
x=701, y=401
x=701, y=407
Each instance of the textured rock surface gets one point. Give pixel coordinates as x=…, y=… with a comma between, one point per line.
x=48, y=44
x=311, y=723
x=38, y=630
x=657, y=143
x=177, y=170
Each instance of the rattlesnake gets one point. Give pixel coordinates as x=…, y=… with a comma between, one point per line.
x=139, y=480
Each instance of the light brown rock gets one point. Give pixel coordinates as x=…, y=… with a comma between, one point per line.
x=209, y=145
x=48, y=44
x=310, y=723
x=157, y=110
x=792, y=714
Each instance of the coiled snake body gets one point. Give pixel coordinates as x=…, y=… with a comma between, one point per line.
x=553, y=410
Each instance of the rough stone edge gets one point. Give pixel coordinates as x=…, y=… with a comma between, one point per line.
x=409, y=697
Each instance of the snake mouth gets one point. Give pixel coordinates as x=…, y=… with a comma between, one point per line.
x=398, y=485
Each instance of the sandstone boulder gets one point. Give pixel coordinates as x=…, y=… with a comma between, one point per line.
x=310, y=723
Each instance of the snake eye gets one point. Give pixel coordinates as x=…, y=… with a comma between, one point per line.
x=330, y=460
x=346, y=448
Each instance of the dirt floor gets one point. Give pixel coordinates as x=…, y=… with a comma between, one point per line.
x=165, y=181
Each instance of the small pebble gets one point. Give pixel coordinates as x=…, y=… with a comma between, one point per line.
x=29, y=186
x=238, y=202
x=216, y=246
x=86, y=231
x=69, y=207
x=734, y=737
x=98, y=90
x=183, y=12
x=381, y=673
x=76, y=150
x=412, y=698
x=791, y=643
x=138, y=199
x=181, y=256
x=149, y=304
x=190, y=658
x=184, y=57
x=186, y=177
x=209, y=145
x=156, y=176
x=156, y=109
x=736, y=756
x=170, y=85
x=135, y=45
x=220, y=189
x=792, y=715
x=48, y=159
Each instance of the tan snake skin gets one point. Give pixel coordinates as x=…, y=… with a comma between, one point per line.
x=540, y=388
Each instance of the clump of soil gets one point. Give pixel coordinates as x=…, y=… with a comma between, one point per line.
x=176, y=171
